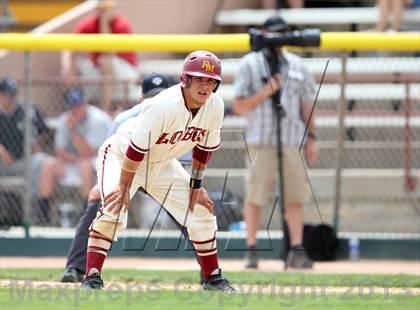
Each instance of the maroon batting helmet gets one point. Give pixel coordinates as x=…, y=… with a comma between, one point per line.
x=201, y=63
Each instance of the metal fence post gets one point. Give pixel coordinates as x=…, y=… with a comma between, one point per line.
x=341, y=131
x=410, y=181
x=28, y=142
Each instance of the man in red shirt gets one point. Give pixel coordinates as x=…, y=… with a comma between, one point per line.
x=119, y=66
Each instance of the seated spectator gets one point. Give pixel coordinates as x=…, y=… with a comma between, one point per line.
x=81, y=132
x=394, y=9
x=114, y=67
x=12, y=145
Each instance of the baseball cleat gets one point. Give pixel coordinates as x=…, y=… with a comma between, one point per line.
x=72, y=275
x=93, y=282
x=217, y=283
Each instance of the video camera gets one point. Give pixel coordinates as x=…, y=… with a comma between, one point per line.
x=305, y=38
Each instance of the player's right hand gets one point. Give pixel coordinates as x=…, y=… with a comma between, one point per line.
x=117, y=199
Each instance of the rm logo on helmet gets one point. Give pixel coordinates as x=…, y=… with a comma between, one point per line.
x=207, y=66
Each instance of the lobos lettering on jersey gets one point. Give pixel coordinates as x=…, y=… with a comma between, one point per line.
x=192, y=133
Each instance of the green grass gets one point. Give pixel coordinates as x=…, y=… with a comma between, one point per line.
x=260, y=278
x=79, y=299
x=364, y=292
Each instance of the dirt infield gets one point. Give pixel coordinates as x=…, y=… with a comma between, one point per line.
x=363, y=266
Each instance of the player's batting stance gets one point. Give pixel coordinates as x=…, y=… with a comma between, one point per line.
x=187, y=116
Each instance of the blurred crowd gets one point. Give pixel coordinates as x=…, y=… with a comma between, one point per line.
x=82, y=127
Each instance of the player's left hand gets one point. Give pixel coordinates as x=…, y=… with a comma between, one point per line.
x=201, y=197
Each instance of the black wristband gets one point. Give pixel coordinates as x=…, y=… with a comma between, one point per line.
x=195, y=184
x=311, y=135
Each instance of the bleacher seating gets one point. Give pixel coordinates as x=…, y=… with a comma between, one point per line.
x=375, y=117
x=371, y=168
x=311, y=16
x=379, y=68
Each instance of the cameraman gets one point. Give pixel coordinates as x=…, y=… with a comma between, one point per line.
x=253, y=90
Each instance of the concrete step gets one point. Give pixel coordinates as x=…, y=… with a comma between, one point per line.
x=356, y=155
x=371, y=65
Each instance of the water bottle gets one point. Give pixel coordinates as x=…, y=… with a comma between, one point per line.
x=354, y=248
x=237, y=226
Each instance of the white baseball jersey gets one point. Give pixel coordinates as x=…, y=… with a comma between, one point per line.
x=166, y=128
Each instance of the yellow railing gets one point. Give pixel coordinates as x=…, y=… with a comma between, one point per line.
x=339, y=41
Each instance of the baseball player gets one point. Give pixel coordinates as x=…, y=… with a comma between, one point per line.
x=142, y=154
x=76, y=258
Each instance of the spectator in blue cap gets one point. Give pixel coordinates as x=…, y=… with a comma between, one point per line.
x=8, y=86
x=12, y=153
x=80, y=133
x=74, y=97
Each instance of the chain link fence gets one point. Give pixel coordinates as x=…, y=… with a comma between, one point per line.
x=378, y=164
